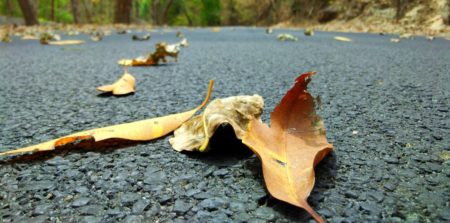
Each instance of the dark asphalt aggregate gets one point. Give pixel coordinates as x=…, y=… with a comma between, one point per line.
x=385, y=106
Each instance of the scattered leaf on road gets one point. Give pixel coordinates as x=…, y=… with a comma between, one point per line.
x=215, y=29
x=179, y=34
x=97, y=36
x=65, y=42
x=236, y=111
x=309, y=32
x=342, y=39
x=125, y=85
x=143, y=130
x=6, y=38
x=395, y=40
x=286, y=37
x=141, y=38
x=162, y=50
x=291, y=147
x=45, y=38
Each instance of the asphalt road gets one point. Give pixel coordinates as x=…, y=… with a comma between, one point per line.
x=385, y=106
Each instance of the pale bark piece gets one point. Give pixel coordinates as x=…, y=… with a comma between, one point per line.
x=236, y=111
x=143, y=130
x=65, y=42
x=342, y=39
x=291, y=147
x=125, y=85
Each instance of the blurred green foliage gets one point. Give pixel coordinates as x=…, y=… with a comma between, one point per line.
x=170, y=12
x=188, y=12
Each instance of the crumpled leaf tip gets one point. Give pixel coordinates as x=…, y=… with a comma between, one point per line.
x=125, y=85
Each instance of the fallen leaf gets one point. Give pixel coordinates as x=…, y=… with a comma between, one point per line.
x=97, y=36
x=124, y=31
x=395, y=40
x=143, y=130
x=141, y=38
x=125, y=85
x=215, y=29
x=45, y=38
x=6, y=38
x=236, y=111
x=309, y=32
x=291, y=147
x=179, y=34
x=162, y=50
x=342, y=39
x=286, y=37
x=65, y=42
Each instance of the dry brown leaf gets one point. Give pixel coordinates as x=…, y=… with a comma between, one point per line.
x=65, y=42
x=162, y=51
x=291, y=147
x=236, y=111
x=342, y=39
x=143, y=130
x=125, y=85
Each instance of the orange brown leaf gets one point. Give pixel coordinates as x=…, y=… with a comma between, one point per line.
x=125, y=85
x=137, y=131
x=291, y=147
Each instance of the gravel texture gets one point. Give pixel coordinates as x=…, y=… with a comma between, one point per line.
x=385, y=105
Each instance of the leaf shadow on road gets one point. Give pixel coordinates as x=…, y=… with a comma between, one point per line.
x=224, y=149
x=105, y=146
x=110, y=94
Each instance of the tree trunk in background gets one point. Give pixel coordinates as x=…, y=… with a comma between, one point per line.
x=75, y=11
x=266, y=12
x=29, y=12
x=87, y=12
x=401, y=5
x=8, y=8
x=155, y=12
x=166, y=12
x=52, y=10
x=448, y=10
x=136, y=11
x=160, y=12
x=123, y=11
